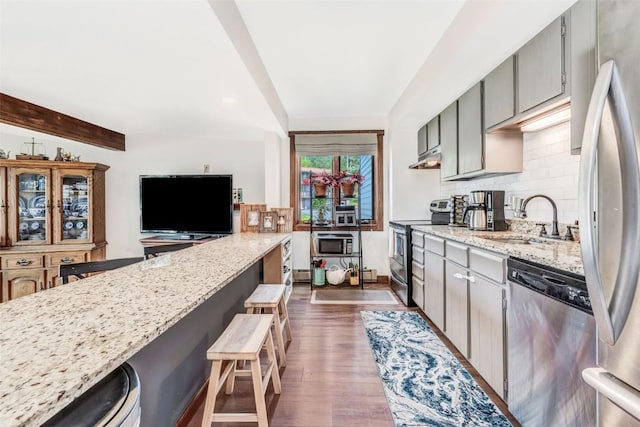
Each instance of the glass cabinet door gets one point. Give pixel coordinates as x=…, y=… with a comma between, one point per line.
x=3, y=206
x=73, y=206
x=33, y=204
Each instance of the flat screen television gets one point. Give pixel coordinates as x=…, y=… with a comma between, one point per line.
x=189, y=205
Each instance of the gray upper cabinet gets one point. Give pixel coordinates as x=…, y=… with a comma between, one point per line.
x=433, y=133
x=541, y=67
x=449, y=141
x=470, y=130
x=500, y=94
x=583, y=66
x=422, y=140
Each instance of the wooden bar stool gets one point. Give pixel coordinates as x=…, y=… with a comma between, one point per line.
x=269, y=298
x=243, y=339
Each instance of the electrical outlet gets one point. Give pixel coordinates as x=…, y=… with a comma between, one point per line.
x=206, y=168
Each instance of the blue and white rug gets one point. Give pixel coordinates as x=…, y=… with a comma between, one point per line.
x=424, y=383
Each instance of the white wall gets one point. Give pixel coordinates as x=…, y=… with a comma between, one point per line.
x=548, y=168
x=245, y=160
x=411, y=190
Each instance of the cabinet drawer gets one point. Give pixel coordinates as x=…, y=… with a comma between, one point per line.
x=457, y=253
x=417, y=239
x=57, y=258
x=434, y=244
x=417, y=270
x=417, y=255
x=489, y=265
x=13, y=262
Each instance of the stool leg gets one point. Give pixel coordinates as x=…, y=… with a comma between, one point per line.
x=258, y=393
x=279, y=339
x=212, y=391
x=285, y=316
x=275, y=374
x=231, y=378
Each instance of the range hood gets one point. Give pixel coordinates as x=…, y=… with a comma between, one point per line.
x=429, y=160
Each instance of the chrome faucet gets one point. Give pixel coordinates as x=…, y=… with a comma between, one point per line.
x=555, y=234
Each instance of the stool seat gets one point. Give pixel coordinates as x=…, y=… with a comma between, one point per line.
x=242, y=340
x=269, y=298
x=265, y=295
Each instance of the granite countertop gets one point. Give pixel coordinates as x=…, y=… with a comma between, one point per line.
x=560, y=254
x=56, y=344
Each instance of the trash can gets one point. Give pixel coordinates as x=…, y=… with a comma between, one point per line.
x=114, y=401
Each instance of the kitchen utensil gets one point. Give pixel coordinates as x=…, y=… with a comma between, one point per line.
x=336, y=275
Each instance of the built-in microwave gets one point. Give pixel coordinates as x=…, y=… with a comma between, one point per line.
x=334, y=244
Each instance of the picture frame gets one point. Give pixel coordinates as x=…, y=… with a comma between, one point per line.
x=250, y=217
x=268, y=221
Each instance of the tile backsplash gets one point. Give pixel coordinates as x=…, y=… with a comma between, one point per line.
x=548, y=168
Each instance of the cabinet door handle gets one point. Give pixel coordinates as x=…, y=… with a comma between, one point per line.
x=24, y=262
x=66, y=260
x=462, y=276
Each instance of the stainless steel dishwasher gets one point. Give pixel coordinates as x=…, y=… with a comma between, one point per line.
x=551, y=339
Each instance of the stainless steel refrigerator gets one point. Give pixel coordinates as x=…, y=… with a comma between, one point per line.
x=609, y=211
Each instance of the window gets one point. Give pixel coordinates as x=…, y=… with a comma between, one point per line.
x=332, y=152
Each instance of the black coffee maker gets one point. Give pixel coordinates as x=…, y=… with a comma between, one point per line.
x=486, y=211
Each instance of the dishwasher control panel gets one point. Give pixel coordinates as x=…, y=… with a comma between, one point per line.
x=566, y=287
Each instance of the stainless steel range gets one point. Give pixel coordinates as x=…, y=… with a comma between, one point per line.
x=400, y=258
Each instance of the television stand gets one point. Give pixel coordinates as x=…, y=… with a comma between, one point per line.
x=161, y=239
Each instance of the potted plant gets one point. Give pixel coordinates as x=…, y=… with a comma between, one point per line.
x=348, y=180
x=321, y=209
x=320, y=182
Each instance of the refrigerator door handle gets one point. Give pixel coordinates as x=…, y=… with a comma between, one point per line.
x=610, y=318
x=619, y=393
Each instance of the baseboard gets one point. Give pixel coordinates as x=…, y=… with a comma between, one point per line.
x=193, y=407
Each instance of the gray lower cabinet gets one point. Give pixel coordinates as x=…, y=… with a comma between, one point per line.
x=457, y=295
x=470, y=130
x=499, y=94
x=475, y=307
x=434, y=280
x=418, y=273
x=457, y=306
x=487, y=316
x=434, y=289
x=449, y=141
x=541, y=67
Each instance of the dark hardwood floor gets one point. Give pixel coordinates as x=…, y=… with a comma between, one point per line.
x=331, y=378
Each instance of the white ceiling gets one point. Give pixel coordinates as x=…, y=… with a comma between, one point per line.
x=149, y=67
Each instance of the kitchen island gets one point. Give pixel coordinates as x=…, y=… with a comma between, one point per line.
x=159, y=315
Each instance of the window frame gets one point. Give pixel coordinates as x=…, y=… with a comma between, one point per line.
x=376, y=223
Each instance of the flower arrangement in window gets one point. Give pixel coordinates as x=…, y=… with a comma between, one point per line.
x=322, y=178
x=345, y=177
x=348, y=181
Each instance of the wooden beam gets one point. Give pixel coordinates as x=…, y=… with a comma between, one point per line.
x=14, y=111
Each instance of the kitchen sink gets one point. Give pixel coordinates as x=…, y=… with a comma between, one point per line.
x=524, y=240
x=511, y=241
